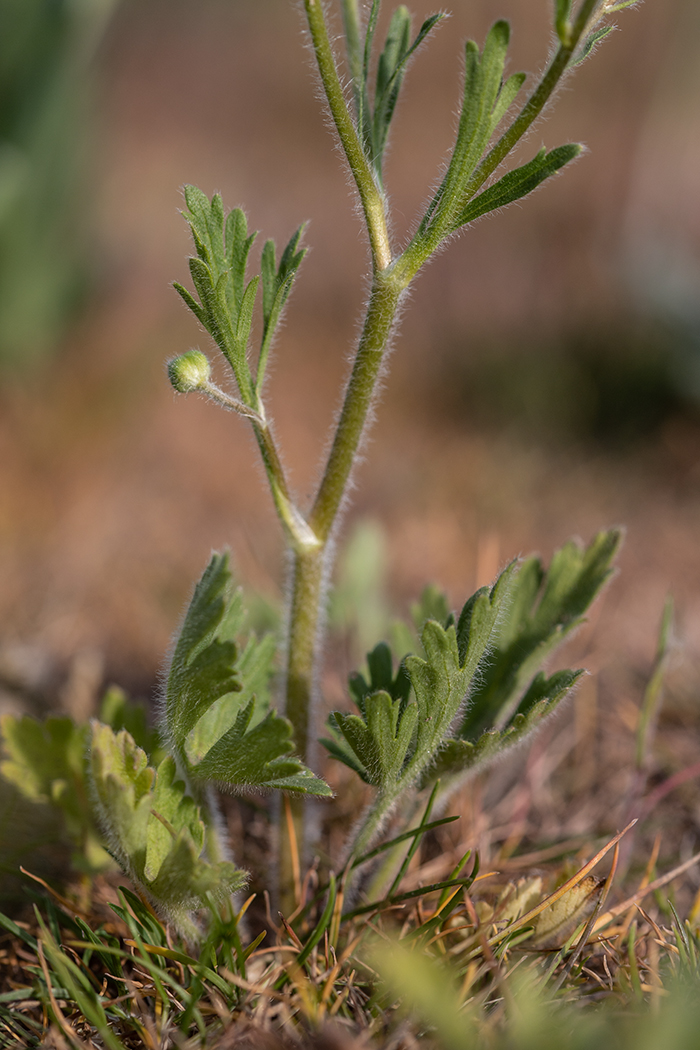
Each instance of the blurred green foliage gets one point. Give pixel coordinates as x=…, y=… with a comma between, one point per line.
x=46, y=48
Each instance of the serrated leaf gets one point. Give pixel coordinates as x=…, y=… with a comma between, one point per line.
x=518, y=183
x=396, y=738
x=277, y=284
x=258, y=756
x=220, y=728
x=120, y=712
x=153, y=827
x=390, y=71
x=255, y=667
x=458, y=756
x=381, y=677
x=391, y=68
x=380, y=740
x=432, y=605
x=237, y=245
x=546, y=606
x=202, y=668
x=482, y=84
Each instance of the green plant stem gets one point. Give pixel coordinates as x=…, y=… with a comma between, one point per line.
x=391, y=278
x=311, y=565
x=379, y=322
x=372, y=822
x=298, y=532
x=301, y=537
x=371, y=196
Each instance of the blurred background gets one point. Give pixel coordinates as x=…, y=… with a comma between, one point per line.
x=546, y=382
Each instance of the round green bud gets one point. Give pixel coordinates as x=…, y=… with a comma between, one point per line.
x=190, y=371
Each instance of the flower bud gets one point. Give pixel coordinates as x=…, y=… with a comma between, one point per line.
x=190, y=371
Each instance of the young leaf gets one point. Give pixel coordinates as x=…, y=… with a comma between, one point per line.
x=390, y=70
x=218, y=274
x=518, y=183
x=480, y=113
x=276, y=284
x=216, y=709
x=153, y=828
x=592, y=39
x=397, y=51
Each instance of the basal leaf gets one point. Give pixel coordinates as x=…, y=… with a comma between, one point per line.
x=119, y=712
x=258, y=756
x=546, y=606
x=381, y=677
x=217, y=700
x=153, y=827
x=398, y=734
x=203, y=665
x=45, y=762
x=458, y=756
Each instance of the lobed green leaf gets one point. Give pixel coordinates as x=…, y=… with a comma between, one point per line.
x=217, y=701
x=546, y=606
x=154, y=828
x=203, y=665
x=397, y=736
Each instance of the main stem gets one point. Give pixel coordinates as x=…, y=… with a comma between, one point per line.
x=311, y=567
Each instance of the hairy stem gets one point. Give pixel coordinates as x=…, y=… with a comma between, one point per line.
x=379, y=322
x=372, y=823
x=300, y=535
x=370, y=195
x=310, y=565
